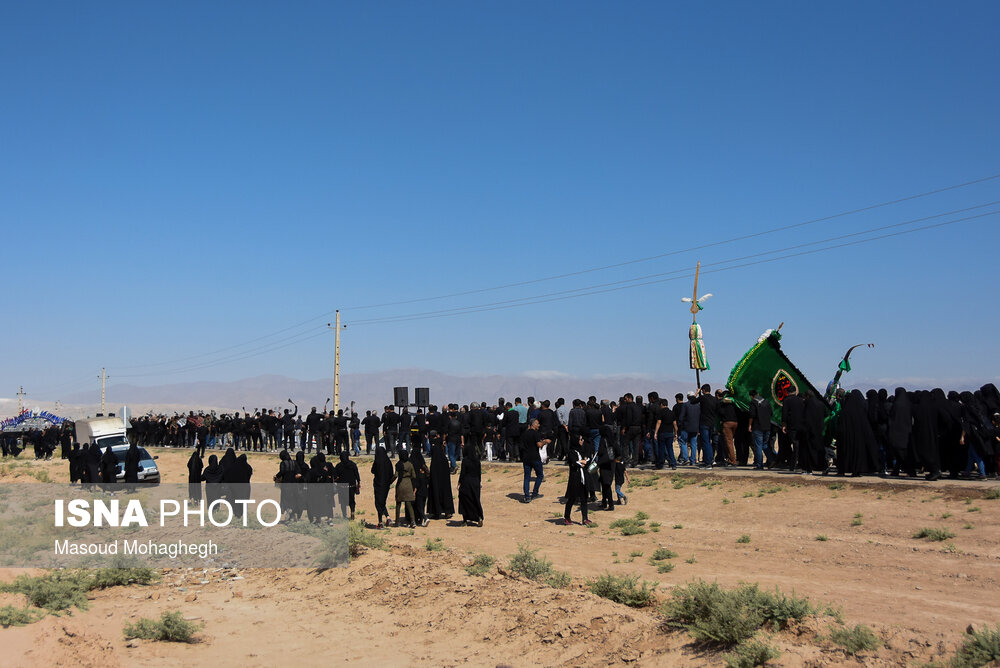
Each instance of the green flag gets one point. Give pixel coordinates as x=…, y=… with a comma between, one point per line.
x=766, y=369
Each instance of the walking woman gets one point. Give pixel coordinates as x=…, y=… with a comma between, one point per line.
x=576, y=486
x=404, y=488
x=420, y=483
x=470, y=485
x=195, y=466
x=212, y=475
x=382, y=477
x=440, y=501
x=348, y=483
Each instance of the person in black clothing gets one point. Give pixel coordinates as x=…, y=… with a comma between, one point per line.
x=131, y=467
x=287, y=477
x=419, y=484
x=477, y=428
x=576, y=486
x=109, y=466
x=793, y=411
x=405, y=420
x=857, y=452
x=510, y=446
x=531, y=459
x=390, y=430
x=606, y=473
x=349, y=483
x=760, y=429
x=630, y=426
x=454, y=436
x=355, y=426
x=371, y=424
x=76, y=464
x=314, y=424
x=93, y=464
x=382, y=478
x=213, y=476
x=812, y=457
x=194, y=467
x=288, y=427
x=469, y=487
x=900, y=428
x=664, y=428
x=241, y=483
x=709, y=407
x=341, y=436
x=439, y=498
x=595, y=418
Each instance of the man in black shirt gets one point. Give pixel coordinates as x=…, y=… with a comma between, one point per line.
x=548, y=423
x=760, y=429
x=288, y=427
x=390, y=429
x=531, y=458
x=706, y=422
x=793, y=412
x=371, y=424
x=314, y=423
x=630, y=427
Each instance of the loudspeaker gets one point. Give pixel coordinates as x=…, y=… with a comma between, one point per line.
x=401, y=396
x=422, y=396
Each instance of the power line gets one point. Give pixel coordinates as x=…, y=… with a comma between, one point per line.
x=632, y=282
x=553, y=277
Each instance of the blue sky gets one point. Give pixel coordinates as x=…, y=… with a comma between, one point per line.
x=188, y=191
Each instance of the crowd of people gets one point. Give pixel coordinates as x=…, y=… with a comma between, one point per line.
x=905, y=433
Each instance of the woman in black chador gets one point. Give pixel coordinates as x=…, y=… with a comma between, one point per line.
x=419, y=484
x=440, y=501
x=92, y=474
x=857, y=452
x=320, y=481
x=131, y=467
x=109, y=466
x=576, y=485
x=900, y=427
x=213, y=475
x=469, y=486
x=382, y=477
x=194, y=476
x=287, y=478
x=348, y=483
x=241, y=486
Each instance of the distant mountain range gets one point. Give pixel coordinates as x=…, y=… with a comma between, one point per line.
x=366, y=390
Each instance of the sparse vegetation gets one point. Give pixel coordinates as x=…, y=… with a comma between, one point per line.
x=858, y=520
x=771, y=489
x=662, y=553
x=691, y=560
x=980, y=648
x=481, y=565
x=968, y=525
x=859, y=638
x=643, y=481
x=836, y=486
x=631, y=526
x=527, y=565
x=945, y=516
x=11, y=616
x=434, y=545
x=745, y=538
x=359, y=539
x=624, y=589
x=170, y=627
x=973, y=509
x=750, y=653
x=724, y=618
x=993, y=494
x=934, y=534
x=664, y=567
x=725, y=501
x=55, y=592
x=678, y=526
x=822, y=538
x=679, y=481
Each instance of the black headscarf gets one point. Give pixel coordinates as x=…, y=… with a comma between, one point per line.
x=194, y=467
x=382, y=472
x=857, y=451
x=213, y=473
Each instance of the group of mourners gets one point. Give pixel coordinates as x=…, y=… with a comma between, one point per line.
x=89, y=465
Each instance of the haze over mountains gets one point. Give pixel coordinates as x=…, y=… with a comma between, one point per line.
x=367, y=390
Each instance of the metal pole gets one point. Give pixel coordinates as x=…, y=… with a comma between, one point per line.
x=336, y=367
x=104, y=380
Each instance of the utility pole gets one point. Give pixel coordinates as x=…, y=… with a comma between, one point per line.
x=336, y=363
x=20, y=399
x=104, y=383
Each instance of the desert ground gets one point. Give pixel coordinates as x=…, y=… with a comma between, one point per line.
x=844, y=543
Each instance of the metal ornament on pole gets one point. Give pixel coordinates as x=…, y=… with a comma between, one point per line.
x=699, y=360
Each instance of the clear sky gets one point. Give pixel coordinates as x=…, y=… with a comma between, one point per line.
x=187, y=191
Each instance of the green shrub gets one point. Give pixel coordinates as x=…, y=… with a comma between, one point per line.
x=714, y=616
x=836, y=485
x=120, y=577
x=993, y=494
x=526, y=564
x=745, y=538
x=640, y=515
x=980, y=648
x=170, y=627
x=631, y=526
x=860, y=638
x=434, y=545
x=625, y=589
x=934, y=534
x=750, y=653
x=56, y=591
x=661, y=553
x=481, y=565
x=360, y=538
x=664, y=567
x=822, y=538
x=11, y=616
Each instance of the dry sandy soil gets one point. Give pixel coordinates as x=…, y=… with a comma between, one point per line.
x=409, y=606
